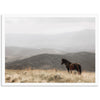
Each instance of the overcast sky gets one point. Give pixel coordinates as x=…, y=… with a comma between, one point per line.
x=32, y=25
x=70, y=34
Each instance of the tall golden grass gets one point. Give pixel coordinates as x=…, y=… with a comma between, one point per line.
x=47, y=76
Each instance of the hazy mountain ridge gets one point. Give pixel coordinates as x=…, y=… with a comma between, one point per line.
x=82, y=40
x=18, y=53
x=51, y=61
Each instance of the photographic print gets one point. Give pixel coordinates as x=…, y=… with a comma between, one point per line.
x=57, y=50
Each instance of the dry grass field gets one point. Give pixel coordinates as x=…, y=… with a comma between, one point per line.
x=47, y=76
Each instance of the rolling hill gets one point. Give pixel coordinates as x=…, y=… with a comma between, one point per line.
x=53, y=61
x=19, y=53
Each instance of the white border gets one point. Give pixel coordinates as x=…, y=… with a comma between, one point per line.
x=51, y=84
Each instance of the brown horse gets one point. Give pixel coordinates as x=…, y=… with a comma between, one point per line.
x=71, y=66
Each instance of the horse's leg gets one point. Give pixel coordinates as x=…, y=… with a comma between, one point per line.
x=68, y=70
x=71, y=67
x=78, y=69
x=71, y=71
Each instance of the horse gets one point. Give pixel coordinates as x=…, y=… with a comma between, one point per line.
x=71, y=66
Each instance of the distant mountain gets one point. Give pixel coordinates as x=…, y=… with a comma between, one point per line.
x=18, y=53
x=78, y=41
x=51, y=61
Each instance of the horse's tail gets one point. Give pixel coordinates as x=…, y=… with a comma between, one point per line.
x=80, y=69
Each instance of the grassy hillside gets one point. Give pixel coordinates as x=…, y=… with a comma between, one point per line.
x=47, y=76
x=51, y=61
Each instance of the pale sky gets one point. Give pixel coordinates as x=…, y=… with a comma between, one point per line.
x=42, y=25
x=69, y=34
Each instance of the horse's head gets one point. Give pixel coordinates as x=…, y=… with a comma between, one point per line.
x=62, y=61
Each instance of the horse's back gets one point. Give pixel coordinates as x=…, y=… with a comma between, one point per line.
x=75, y=66
x=76, y=63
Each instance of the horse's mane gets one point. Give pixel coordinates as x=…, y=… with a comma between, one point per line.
x=65, y=60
